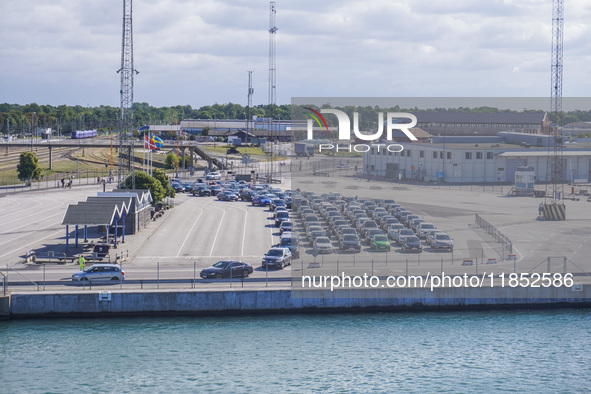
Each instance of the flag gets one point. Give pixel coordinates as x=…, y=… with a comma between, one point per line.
x=148, y=143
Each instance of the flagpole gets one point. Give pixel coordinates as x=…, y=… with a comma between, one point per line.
x=144, y=154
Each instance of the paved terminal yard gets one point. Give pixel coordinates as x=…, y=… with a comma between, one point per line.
x=199, y=231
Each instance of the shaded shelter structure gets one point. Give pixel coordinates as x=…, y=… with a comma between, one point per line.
x=117, y=212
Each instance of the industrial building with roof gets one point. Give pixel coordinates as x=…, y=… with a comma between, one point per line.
x=481, y=123
x=477, y=159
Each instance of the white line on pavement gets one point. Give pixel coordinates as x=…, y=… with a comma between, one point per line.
x=217, y=232
x=189, y=232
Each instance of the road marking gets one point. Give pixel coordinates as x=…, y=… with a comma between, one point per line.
x=243, y=233
x=25, y=225
x=217, y=232
x=31, y=232
x=25, y=246
x=189, y=232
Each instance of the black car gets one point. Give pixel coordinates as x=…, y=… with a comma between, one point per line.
x=412, y=243
x=202, y=191
x=246, y=195
x=227, y=269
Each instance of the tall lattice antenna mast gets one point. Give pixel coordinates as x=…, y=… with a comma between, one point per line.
x=249, y=105
x=554, y=199
x=127, y=72
x=272, y=83
x=272, y=64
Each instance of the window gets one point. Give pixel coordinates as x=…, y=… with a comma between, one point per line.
x=448, y=155
x=421, y=153
x=434, y=154
x=468, y=155
x=489, y=155
x=441, y=155
x=478, y=155
x=408, y=153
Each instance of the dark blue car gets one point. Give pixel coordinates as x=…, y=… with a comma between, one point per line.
x=261, y=200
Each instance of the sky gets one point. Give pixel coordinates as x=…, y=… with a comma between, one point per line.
x=198, y=52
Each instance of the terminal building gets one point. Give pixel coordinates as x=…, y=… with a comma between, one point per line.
x=484, y=159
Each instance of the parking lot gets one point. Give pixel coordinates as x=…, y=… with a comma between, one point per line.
x=200, y=231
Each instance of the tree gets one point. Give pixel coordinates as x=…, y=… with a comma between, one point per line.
x=28, y=166
x=171, y=160
x=164, y=181
x=145, y=181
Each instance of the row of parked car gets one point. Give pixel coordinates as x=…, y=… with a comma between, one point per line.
x=378, y=223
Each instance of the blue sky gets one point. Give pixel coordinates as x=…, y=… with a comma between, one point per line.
x=198, y=52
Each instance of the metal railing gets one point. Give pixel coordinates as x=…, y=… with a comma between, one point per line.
x=506, y=244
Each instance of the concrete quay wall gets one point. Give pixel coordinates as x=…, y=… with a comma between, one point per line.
x=284, y=301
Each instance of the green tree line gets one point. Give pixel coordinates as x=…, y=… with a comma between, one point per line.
x=20, y=119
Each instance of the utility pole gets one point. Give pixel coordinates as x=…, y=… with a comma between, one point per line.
x=127, y=72
x=554, y=208
x=272, y=83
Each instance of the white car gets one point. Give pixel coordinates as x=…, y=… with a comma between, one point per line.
x=100, y=272
x=213, y=176
x=322, y=245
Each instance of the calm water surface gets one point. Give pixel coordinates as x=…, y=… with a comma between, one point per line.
x=523, y=351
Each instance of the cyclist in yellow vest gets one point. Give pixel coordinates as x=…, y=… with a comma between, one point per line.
x=81, y=262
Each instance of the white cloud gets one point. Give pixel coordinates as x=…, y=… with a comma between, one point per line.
x=197, y=53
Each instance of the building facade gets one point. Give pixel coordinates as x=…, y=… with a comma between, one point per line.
x=471, y=163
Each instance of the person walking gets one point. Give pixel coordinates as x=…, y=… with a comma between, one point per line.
x=81, y=262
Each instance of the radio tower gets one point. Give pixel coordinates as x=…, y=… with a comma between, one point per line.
x=127, y=72
x=554, y=208
x=249, y=105
x=272, y=81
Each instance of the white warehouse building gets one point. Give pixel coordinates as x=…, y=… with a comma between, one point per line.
x=472, y=162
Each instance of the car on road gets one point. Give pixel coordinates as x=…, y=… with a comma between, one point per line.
x=443, y=241
x=289, y=241
x=177, y=186
x=215, y=189
x=394, y=229
x=350, y=242
x=277, y=258
x=423, y=229
x=99, y=272
x=398, y=237
x=322, y=245
x=281, y=217
x=261, y=200
x=201, y=191
x=227, y=196
x=213, y=176
x=412, y=243
x=227, y=269
x=286, y=226
x=380, y=242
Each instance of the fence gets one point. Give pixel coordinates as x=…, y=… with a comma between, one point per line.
x=53, y=181
x=402, y=267
x=506, y=245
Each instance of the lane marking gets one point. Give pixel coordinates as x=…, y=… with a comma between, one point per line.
x=27, y=224
x=243, y=233
x=32, y=232
x=34, y=242
x=189, y=232
x=217, y=233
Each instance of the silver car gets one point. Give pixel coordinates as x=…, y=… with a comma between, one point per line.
x=100, y=272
